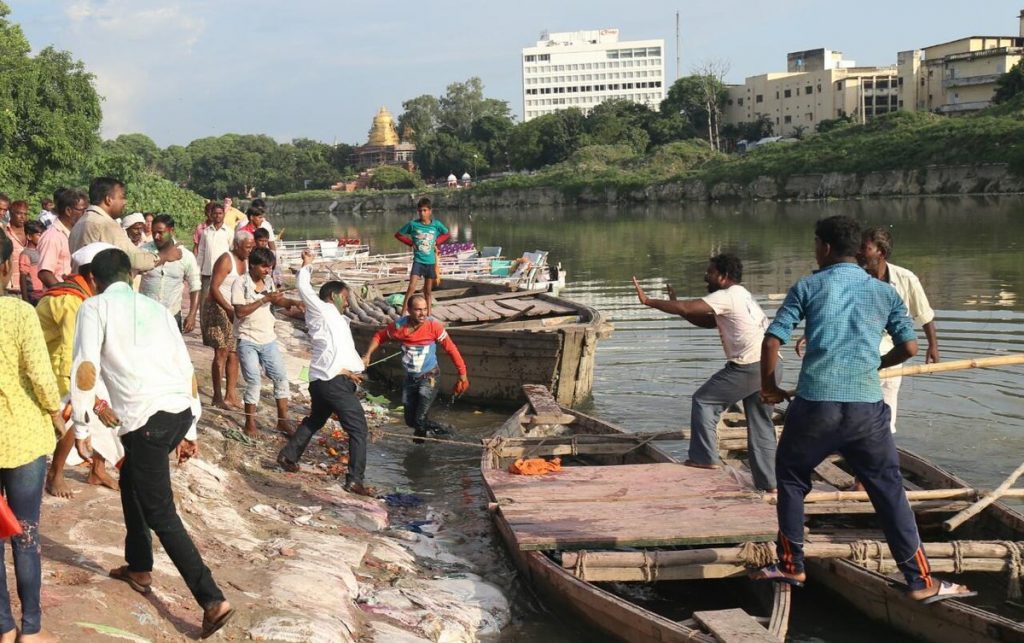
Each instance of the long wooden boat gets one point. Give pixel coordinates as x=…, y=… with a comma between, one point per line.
x=876, y=588
x=507, y=338
x=871, y=582
x=703, y=609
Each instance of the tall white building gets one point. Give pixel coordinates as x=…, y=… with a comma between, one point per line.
x=585, y=68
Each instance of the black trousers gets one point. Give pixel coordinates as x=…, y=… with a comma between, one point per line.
x=148, y=504
x=337, y=395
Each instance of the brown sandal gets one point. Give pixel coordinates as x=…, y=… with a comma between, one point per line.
x=211, y=627
x=121, y=574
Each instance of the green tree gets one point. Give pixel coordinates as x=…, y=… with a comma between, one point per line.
x=49, y=113
x=491, y=133
x=175, y=164
x=699, y=98
x=139, y=145
x=422, y=114
x=547, y=139
x=1010, y=84
x=392, y=177
x=463, y=104
x=620, y=122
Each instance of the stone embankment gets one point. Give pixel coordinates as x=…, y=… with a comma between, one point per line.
x=996, y=178
x=300, y=558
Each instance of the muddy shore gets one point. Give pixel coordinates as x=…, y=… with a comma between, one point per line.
x=300, y=559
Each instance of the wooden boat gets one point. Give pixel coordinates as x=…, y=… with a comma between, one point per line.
x=507, y=338
x=544, y=428
x=869, y=586
x=870, y=581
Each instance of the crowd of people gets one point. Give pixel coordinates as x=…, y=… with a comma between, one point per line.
x=96, y=294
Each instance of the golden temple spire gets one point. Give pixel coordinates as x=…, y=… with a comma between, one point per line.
x=383, y=131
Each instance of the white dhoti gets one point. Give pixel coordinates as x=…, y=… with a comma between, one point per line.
x=103, y=439
x=891, y=396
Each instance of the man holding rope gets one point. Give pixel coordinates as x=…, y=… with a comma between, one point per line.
x=839, y=406
x=419, y=336
x=335, y=370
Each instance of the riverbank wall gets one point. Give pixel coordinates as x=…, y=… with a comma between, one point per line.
x=993, y=179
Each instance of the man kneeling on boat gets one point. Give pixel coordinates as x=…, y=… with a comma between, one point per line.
x=838, y=404
x=419, y=335
x=741, y=323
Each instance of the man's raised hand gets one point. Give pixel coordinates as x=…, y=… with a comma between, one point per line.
x=640, y=294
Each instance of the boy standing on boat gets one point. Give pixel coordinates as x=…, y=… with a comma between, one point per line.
x=839, y=406
x=731, y=309
x=424, y=234
x=419, y=336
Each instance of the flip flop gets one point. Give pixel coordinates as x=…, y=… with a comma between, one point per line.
x=774, y=574
x=286, y=464
x=947, y=591
x=211, y=627
x=121, y=574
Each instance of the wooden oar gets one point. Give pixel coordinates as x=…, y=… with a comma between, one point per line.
x=956, y=365
x=989, y=498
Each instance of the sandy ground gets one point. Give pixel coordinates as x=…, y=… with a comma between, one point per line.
x=300, y=559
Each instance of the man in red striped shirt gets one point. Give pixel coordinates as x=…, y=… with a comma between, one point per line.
x=419, y=335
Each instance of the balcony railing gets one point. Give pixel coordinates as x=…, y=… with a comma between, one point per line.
x=956, y=108
x=967, y=81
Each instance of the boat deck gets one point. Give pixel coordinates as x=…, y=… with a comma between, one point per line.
x=635, y=505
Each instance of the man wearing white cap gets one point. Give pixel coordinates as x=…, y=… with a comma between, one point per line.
x=58, y=311
x=99, y=223
x=134, y=226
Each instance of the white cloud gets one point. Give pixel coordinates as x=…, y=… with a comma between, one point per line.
x=128, y=20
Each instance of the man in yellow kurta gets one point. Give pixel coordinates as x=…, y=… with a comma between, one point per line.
x=58, y=310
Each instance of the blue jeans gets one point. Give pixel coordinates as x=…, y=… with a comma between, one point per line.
x=860, y=432
x=418, y=393
x=23, y=487
x=251, y=356
x=733, y=383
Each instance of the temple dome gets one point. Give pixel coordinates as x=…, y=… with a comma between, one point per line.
x=383, y=131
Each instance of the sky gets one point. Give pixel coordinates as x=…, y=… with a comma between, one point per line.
x=178, y=70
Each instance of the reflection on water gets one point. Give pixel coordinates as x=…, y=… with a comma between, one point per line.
x=967, y=252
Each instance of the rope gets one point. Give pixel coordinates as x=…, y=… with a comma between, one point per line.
x=1015, y=568
x=376, y=434
x=862, y=551
x=649, y=568
x=958, y=557
x=757, y=555
x=580, y=570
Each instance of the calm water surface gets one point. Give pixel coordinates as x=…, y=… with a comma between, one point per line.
x=967, y=251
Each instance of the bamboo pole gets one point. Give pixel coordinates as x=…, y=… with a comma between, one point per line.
x=922, y=494
x=955, y=365
x=989, y=498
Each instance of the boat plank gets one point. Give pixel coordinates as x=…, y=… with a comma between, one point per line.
x=734, y=626
x=630, y=505
x=483, y=313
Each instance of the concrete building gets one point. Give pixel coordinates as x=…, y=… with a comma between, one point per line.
x=818, y=84
x=958, y=76
x=585, y=68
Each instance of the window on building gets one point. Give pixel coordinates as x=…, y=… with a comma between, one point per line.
x=787, y=94
x=760, y=98
x=728, y=102
x=808, y=90
x=787, y=119
x=612, y=54
x=531, y=58
x=654, y=51
x=739, y=101
x=657, y=83
x=839, y=86
x=625, y=53
x=809, y=116
x=819, y=88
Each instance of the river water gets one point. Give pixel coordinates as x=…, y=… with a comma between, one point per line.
x=968, y=252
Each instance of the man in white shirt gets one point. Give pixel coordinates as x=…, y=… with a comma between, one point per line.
x=131, y=344
x=46, y=214
x=741, y=324
x=166, y=284
x=335, y=370
x=216, y=240
x=875, y=250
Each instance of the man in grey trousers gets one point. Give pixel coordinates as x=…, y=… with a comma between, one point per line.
x=741, y=323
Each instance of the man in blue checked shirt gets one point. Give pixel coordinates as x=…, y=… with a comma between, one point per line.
x=838, y=404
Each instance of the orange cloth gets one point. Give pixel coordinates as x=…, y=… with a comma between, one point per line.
x=535, y=466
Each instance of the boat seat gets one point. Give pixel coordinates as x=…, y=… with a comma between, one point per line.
x=734, y=625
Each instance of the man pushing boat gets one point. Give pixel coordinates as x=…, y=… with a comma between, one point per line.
x=419, y=335
x=838, y=404
x=731, y=309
